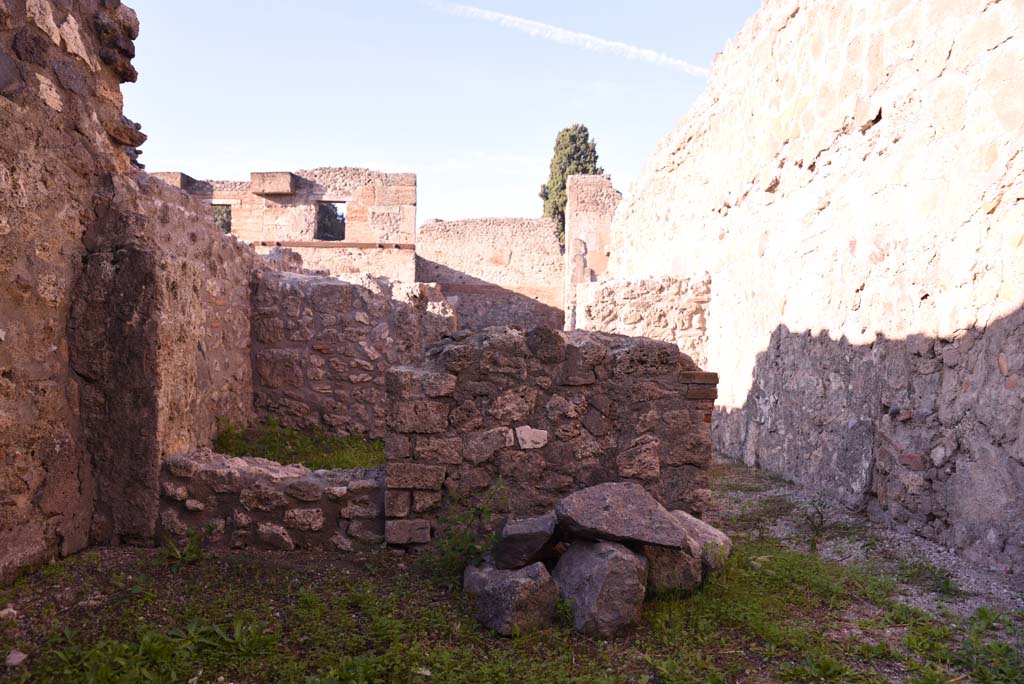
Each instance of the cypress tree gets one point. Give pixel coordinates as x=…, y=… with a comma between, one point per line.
x=575, y=153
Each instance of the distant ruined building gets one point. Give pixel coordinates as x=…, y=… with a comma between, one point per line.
x=835, y=232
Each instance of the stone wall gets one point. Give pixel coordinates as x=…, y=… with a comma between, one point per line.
x=107, y=355
x=495, y=271
x=62, y=134
x=256, y=503
x=668, y=308
x=160, y=343
x=852, y=179
x=590, y=205
x=321, y=345
x=547, y=413
x=282, y=206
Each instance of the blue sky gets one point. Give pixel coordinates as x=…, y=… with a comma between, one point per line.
x=469, y=97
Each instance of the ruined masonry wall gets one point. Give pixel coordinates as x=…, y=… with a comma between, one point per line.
x=494, y=271
x=866, y=249
x=256, y=503
x=321, y=345
x=107, y=359
x=590, y=206
x=546, y=413
x=669, y=309
x=379, y=208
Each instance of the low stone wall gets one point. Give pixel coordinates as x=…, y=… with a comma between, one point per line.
x=321, y=345
x=253, y=502
x=546, y=412
x=670, y=309
x=494, y=271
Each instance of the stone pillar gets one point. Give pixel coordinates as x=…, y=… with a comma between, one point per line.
x=588, y=218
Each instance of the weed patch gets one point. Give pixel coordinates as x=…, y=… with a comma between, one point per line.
x=314, y=449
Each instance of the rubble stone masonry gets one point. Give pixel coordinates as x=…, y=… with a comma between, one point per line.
x=667, y=308
x=256, y=503
x=495, y=271
x=544, y=412
x=321, y=345
x=123, y=312
x=853, y=180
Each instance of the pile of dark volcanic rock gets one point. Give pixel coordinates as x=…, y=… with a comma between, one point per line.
x=607, y=547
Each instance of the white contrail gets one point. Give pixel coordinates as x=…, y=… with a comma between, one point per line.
x=559, y=35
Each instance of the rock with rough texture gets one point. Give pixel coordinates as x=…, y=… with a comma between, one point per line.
x=715, y=545
x=673, y=569
x=15, y=659
x=274, y=536
x=476, y=577
x=522, y=541
x=517, y=601
x=605, y=584
x=619, y=511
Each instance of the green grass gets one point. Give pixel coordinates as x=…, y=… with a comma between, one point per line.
x=773, y=610
x=777, y=613
x=313, y=448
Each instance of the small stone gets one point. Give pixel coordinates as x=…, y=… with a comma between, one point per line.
x=367, y=530
x=481, y=446
x=336, y=493
x=175, y=491
x=274, y=536
x=310, y=519
x=413, y=476
x=11, y=79
x=517, y=601
x=341, y=542
x=425, y=501
x=546, y=344
x=194, y=505
x=363, y=485
x=914, y=461
x=305, y=489
x=522, y=541
x=241, y=519
x=531, y=438
x=72, y=77
x=397, y=503
x=262, y=497
x=8, y=613
x=15, y=659
x=180, y=465
x=414, y=531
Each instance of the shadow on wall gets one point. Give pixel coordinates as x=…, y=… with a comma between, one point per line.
x=926, y=433
x=480, y=304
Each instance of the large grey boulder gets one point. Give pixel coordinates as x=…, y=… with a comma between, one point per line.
x=523, y=541
x=620, y=511
x=605, y=584
x=517, y=601
x=715, y=545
